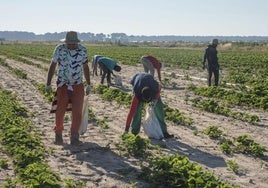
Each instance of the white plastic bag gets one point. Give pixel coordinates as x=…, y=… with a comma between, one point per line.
x=84, y=123
x=118, y=81
x=151, y=125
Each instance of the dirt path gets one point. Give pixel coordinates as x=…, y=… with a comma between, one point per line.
x=98, y=162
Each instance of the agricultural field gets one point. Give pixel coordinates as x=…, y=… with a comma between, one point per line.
x=220, y=132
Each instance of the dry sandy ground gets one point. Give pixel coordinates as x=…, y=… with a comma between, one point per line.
x=98, y=162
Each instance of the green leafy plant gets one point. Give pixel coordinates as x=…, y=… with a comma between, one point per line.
x=178, y=171
x=4, y=163
x=226, y=146
x=23, y=144
x=21, y=74
x=213, y=132
x=247, y=145
x=70, y=183
x=233, y=166
x=133, y=144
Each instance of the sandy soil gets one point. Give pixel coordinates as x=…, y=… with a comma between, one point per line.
x=98, y=162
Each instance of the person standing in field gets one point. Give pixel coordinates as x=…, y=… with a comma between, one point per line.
x=95, y=65
x=72, y=60
x=145, y=90
x=150, y=63
x=107, y=65
x=211, y=57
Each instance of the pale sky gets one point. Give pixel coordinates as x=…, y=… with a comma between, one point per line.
x=137, y=17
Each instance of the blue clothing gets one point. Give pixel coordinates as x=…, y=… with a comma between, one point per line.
x=109, y=63
x=141, y=80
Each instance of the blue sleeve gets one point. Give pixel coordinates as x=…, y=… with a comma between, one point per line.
x=132, y=82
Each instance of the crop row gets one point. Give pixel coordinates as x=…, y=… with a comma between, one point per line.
x=32, y=170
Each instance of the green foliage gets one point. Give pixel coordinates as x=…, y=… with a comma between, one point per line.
x=256, y=96
x=42, y=90
x=247, y=145
x=177, y=117
x=243, y=144
x=22, y=143
x=213, y=132
x=111, y=94
x=178, y=171
x=233, y=166
x=20, y=73
x=10, y=183
x=102, y=122
x=211, y=105
x=133, y=144
x=39, y=175
x=246, y=69
x=4, y=163
x=226, y=146
x=70, y=183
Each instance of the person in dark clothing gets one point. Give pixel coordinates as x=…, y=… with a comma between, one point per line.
x=145, y=89
x=107, y=66
x=211, y=57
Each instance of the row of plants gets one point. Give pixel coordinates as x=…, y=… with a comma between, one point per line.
x=241, y=144
x=256, y=97
x=243, y=67
x=173, y=115
x=210, y=105
x=251, y=92
x=137, y=146
x=166, y=170
x=23, y=144
x=153, y=179
x=20, y=74
x=18, y=58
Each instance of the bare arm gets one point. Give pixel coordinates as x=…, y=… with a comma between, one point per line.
x=159, y=74
x=51, y=72
x=86, y=73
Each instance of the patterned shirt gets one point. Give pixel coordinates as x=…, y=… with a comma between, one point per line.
x=70, y=63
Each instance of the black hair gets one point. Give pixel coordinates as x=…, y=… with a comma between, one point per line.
x=117, y=68
x=146, y=94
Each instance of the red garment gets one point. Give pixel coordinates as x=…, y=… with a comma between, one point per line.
x=63, y=99
x=134, y=106
x=156, y=64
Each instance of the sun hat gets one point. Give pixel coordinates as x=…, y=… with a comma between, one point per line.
x=146, y=94
x=71, y=38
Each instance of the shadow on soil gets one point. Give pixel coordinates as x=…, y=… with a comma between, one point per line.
x=106, y=163
x=193, y=154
